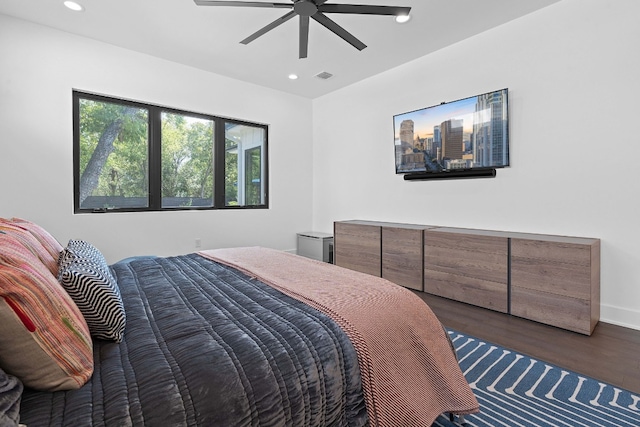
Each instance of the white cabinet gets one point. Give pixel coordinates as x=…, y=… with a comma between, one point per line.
x=318, y=246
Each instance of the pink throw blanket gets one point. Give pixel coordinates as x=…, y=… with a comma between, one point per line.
x=409, y=373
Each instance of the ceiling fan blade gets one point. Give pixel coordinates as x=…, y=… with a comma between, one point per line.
x=338, y=30
x=241, y=4
x=304, y=36
x=269, y=27
x=364, y=9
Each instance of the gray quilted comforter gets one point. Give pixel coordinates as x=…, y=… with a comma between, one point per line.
x=206, y=345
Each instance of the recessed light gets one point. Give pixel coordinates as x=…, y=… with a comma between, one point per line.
x=74, y=6
x=293, y=76
x=401, y=19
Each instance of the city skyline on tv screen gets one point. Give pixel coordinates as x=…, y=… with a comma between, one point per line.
x=464, y=134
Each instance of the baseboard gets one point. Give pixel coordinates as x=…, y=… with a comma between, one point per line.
x=620, y=316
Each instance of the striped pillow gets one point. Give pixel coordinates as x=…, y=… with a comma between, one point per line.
x=30, y=242
x=81, y=249
x=45, y=339
x=85, y=275
x=44, y=237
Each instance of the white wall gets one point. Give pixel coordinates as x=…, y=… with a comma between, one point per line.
x=573, y=74
x=40, y=66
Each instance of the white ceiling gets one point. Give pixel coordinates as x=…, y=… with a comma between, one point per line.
x=208, y=37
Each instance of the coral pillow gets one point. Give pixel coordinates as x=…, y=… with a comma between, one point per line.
x=30, y=242
x=45, y=339
x=44, y=237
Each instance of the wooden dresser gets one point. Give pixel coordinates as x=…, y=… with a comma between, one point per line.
x=556, y=280
x=471, y=266
x=384, y=249
x=550, y=279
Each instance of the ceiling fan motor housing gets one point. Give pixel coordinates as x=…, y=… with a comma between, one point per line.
x=305, y=8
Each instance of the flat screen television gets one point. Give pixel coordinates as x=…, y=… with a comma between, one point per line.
x=469, y=135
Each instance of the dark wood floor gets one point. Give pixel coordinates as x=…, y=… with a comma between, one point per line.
x=611, y=354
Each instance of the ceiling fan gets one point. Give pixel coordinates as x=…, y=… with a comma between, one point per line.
x=314, y=9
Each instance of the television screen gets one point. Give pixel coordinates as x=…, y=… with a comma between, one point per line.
x=471, y=133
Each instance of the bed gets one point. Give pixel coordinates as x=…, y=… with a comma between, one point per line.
x=248, y=337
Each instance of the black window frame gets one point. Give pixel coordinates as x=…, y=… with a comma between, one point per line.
x=155, y=156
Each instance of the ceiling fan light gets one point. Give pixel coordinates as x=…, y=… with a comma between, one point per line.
x=401, y=19
x=74, y=6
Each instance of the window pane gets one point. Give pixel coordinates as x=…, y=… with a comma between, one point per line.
x=114, y=159
x=252, y=174
x=187, y=161
x=244, y=165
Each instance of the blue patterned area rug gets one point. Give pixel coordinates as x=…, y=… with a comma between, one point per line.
x=516, y=390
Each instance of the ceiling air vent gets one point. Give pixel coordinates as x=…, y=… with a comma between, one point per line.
x=324, y=75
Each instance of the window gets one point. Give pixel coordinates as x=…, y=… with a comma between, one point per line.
x=246, y=188
x=130, y=156
x=187, y=161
